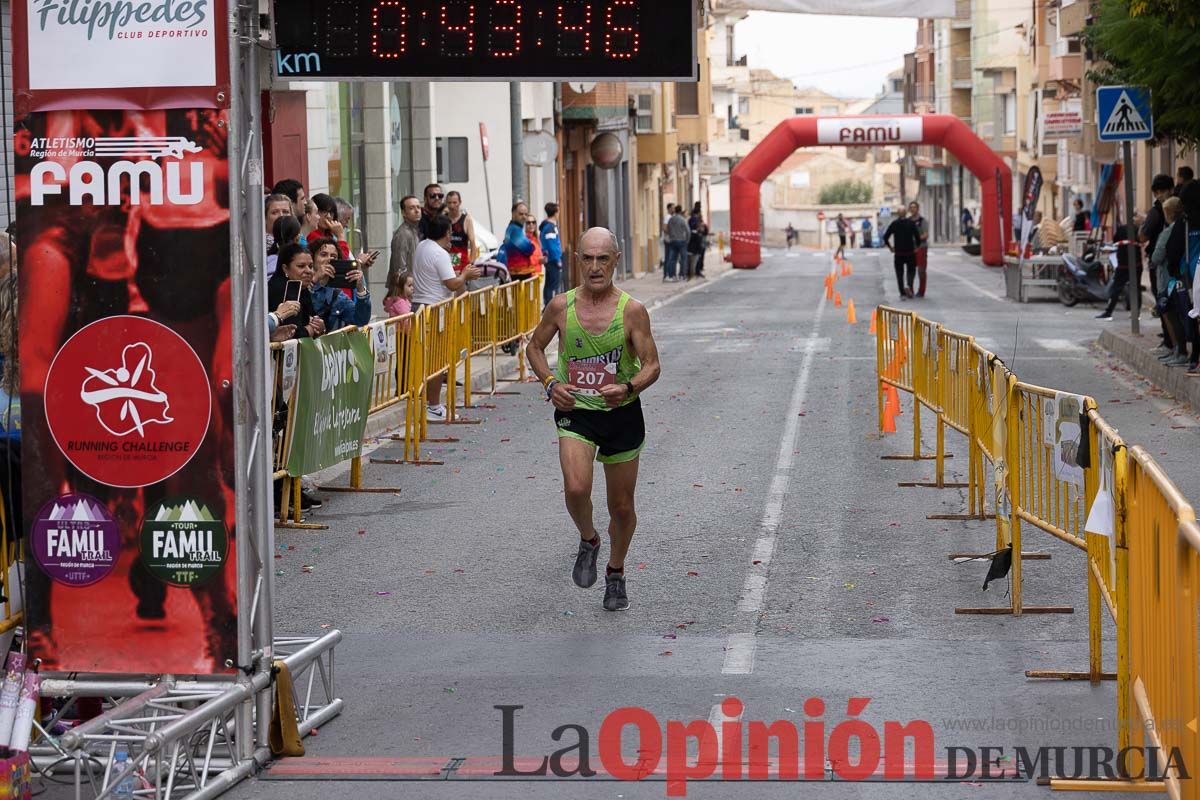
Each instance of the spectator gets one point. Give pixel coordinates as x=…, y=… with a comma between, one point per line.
x=1183, y=176
x=1120, y=279
x=1183, y=248
x=328, y=226
x=966, y=224
x=790, y=234
x=345, y=214
x=333, y=305
x=404, y=240
x=278, y=206
x=842, y=228
x=463, y=250
x=696, y=240
x=308, y=224
x=1171, y=299
x=662, y=235
x=399, y=295
x=678, y=234
x=697, y=243
x=433, y=282
x=536, y=259
x=287, y=231
x=1083, y=219
x=1034, y=239
x=296, y=264
x=517, y=249
x=866, y=233
x=1161, y=187
x=907, y=237
x=548, y=233
x=435, y=197
x=293, y=190
x=922, y=252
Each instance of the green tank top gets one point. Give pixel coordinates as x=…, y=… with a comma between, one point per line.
x=588, y=361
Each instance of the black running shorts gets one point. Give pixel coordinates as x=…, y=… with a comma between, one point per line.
x=618, y=434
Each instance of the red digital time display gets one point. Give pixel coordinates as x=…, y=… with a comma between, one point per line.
x=491, y=39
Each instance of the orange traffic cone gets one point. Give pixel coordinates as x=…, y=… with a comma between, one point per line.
x=893, y=401
x=828, y=288
x=849, y=268
x=850, y=317
x=837, y=299
x=872, y=329
x=889, y=418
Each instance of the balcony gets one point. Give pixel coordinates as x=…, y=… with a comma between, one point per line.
x=657, y=148
x=603, y=101
x=1067, y=68
x=962, y=14
x=960, y=72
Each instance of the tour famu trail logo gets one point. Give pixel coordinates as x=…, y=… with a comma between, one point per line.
x=75, y=540
x=183, y=543
x=110, y=19
x=126, y=399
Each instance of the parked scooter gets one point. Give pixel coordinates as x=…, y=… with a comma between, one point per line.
x=1083, y=277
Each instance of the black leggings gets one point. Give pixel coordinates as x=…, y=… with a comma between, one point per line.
x=906, y=271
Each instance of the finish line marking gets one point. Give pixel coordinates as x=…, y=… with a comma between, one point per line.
x=740, y=647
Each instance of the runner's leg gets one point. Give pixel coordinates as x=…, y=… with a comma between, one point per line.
x=577, y=458
x=621, y=481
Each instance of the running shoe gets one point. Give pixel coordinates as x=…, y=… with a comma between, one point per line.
x=435, y=413
x=313, y=500
x=615, y=598
x=584, y=573
x=1177, y=361
x=1194, y=370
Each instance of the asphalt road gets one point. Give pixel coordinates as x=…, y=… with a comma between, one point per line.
x=776, y=559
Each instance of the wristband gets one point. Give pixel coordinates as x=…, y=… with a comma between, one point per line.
x=548, y=379
x=550, y=384
x=629, y=387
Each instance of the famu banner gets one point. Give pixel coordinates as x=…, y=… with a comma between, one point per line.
x=126, y=372
x=333, y=395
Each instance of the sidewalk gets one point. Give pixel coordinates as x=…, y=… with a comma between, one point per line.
x=1136, y=352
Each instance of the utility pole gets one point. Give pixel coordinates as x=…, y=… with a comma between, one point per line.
x=517, y=131
x=1135, y=284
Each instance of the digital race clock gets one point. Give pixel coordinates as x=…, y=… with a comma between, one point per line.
x=485, y=39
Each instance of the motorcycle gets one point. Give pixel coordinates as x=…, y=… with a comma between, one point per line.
x=1083, y=277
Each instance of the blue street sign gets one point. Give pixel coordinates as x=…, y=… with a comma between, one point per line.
x=1123, y=113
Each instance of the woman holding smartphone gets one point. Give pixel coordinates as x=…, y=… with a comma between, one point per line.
x=293, y=280
x=336, y=306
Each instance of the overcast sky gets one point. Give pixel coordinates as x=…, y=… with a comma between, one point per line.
x=845, y=56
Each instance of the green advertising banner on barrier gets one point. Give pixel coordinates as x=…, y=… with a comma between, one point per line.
x=333, y=395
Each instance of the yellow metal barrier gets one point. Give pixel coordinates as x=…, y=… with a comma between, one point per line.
x=1059, y=467
x=1163, y=542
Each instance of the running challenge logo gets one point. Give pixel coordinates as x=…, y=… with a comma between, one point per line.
x=120, y=44
x=812, y=750
x=128, y=401
x=136, y=171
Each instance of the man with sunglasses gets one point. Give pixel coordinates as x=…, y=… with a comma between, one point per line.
x=435, y=206
x=606, y=358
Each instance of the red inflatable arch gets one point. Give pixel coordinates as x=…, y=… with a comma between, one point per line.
x=938, y=129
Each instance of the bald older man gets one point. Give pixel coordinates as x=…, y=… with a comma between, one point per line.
x=606, y=359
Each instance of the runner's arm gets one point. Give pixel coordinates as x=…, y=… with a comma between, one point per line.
x=543, y=334
x=637, y=322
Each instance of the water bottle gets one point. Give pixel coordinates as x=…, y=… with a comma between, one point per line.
x=125, y=788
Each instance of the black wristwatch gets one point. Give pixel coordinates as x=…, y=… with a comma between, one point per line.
x=629, y=388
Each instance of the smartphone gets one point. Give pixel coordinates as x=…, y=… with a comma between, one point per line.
x=341, y=267
x=292, y=290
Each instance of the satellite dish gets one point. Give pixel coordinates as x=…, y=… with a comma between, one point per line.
x=539, y=148
x=581, y=87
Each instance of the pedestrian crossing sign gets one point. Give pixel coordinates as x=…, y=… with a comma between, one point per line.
x=1123, y=113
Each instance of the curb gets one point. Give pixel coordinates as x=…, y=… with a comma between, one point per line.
x=1135, y=351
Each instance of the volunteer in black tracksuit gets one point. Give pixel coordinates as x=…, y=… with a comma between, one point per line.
x=906, y=236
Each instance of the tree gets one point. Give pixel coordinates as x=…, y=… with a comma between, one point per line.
x=1152, y=43
x=846, y=193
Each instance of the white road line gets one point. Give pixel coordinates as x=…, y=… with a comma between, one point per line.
x=740, y=647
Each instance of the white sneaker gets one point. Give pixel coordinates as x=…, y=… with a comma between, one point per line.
x=435, y=413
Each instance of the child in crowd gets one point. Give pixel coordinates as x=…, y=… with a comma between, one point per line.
x=398, y=301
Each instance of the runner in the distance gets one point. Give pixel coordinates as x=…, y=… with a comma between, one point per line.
x=606, y=358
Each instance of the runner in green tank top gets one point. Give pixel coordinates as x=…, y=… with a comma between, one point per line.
x=606, y=359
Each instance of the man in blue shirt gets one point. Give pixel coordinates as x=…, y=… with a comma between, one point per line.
x=551, y=251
